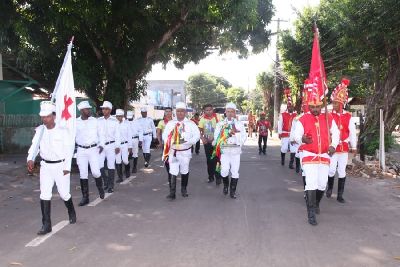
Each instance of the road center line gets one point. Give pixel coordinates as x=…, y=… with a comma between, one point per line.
x=40, y=239
x=126, y=181
x=98, y=200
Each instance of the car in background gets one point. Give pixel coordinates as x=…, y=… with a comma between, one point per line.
x=245, y=120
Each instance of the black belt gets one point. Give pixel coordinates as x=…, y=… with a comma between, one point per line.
x=53, y=161
x=109, y=142
x=147, y=133
x=135, y=137
x=125, y=142
x=179, y=150
x=86, y=147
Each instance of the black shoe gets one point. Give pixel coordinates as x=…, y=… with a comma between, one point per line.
x=172, y=187
x=210, y=179
x=119, y=173
x=127, y=170
x=331, y=182
x=311, y=205
x=45, y=206
x=111, y=174
x=292, y=156
x=105, y=178
x=297, y=165
x=85, y=192
x=134, y=170
x=226, y=185
x=259, y=152
x=184, y=183
x=319, y=196
x=99, y=185
x=71, y=211
x=282, y=158
x=264, y=152
x=232, y=192
x=341, y=182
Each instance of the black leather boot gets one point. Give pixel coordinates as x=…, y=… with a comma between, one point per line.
x=71, y=210
x=341, y=182
x=292, y=156
x=119, y=172
x=128, y=170
x=210, y=179
x=282, y=158
x=111, y=175
x=304, y=186
x=134, y=170
x=225, y=180
x=184, y=183
x=104, y=177
x=146, y=159
x=331, y=181
x=172, y=188
x=232, y=192
x=297, y=165
x=99, y=185
x=45, y=206
x=218, y=179
x=311, y=204
x=320, y=194
x=85, y=192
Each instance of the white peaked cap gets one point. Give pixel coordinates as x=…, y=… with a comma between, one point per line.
x=180, y=105
x=47, y=108
x=106, y=104
x=119, y=112
x=84, y=104
x=129, y=114
x=143, y=109
x=230, y=105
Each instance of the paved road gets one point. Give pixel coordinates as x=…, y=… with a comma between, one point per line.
x=265, y=226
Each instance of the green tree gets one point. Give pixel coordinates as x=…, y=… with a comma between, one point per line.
x=235, y=95
x=117, y=42
x=265, y=85
x=205, y=88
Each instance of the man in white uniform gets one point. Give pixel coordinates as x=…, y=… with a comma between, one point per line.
x=110, y=143
x=179, y=136
x=87, y=141
x=136, y=135
x=229, y=136
x=126, y=145
x=149, y=133
x=56, y=150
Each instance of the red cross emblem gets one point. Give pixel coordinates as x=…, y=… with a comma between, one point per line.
x=65, y=113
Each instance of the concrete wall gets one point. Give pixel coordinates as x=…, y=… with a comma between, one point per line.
x=16, y=139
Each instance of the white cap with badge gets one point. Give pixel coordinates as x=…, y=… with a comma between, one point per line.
x=84, y=104
x=180, y=105
x=119, y=112
x=106, y=104
x=143, y=109
x=47, y=108
x=129, y=114
x=230, y=105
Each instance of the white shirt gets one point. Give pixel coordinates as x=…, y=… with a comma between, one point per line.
x=108, y=131
x=55, y=144
x=189, y=132
x=135, y=130
x=124, y=129
x=147, y=126
x=86, y=132
x=237, y=139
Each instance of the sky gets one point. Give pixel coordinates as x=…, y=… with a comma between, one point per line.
x=239, y=72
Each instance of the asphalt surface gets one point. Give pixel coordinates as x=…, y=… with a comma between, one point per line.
x=265, y=226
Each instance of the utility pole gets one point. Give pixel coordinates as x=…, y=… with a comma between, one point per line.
x=278, y=83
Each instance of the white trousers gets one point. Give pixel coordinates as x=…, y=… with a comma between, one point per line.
x=51, y=173
x=135, y=147
x=316, y=176
x=339, y=162
x=84, y=157
x=146, y=143
x=230, y=162
x=122, y=156
x=180, y=163
x=286, y=146
x=109, y=154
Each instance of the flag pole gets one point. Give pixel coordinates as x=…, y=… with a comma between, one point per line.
x=325, y=87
